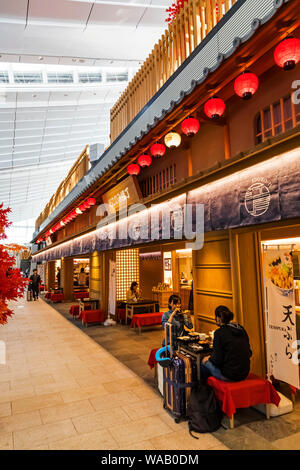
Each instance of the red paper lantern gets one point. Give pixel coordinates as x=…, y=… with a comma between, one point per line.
x=214, y=108
x=190, y=126
x=287, y=53
x=82, y=207
x=144, y=160
x=157, y=150
x=133, y=169
x=245, y=85
x=91, y=201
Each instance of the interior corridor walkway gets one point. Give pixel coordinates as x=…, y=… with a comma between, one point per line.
x=61, y=390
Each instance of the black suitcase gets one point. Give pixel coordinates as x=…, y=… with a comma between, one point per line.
x=179, y=378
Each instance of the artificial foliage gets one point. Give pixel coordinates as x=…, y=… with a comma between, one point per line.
x=174, y=9
x=12, y=284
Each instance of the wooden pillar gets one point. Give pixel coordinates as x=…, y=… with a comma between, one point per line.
x=66, y=280
x=189, y=160
x=227, y=149
x=50, y=275
x=247, y=292
x=95, y=285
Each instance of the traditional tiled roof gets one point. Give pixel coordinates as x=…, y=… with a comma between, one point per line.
x=235, y=28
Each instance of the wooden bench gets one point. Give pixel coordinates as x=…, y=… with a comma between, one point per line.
x=254, y=390
x=146, y=319
x=92, y=316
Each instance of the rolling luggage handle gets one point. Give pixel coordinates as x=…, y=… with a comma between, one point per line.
x=164, y=355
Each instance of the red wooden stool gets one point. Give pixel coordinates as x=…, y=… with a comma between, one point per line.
x=92, y=316
x=74, y=310
x=252, y=391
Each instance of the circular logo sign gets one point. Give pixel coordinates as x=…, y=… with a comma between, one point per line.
x=257, y=199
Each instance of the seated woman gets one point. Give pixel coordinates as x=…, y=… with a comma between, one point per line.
x=133, y=293
x=230, y=360
x=179, y=320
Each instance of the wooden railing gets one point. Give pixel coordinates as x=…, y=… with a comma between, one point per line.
x=78, y=170
x=191, y=26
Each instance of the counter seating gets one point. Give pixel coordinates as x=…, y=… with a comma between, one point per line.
x=92, y=316
x=146, y=319
x=254, y=390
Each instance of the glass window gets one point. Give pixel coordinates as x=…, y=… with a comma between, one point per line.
x=4, y=77
x=117, y=77
x=277, y=118
x=90, y=77
x=57, y=77
x=287, y=110
x=28, y=77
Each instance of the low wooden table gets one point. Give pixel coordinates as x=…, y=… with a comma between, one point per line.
x=132, y=306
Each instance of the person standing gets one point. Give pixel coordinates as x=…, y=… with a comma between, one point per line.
x=35, y=284
x=82, y=277
x=58, y=277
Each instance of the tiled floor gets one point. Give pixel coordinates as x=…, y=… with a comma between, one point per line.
x=61, y=389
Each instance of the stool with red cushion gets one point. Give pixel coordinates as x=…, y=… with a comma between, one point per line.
x=92, y=316
x=146, y=319
x=254, y=390
x=152, y=361
x=74, y=310
x=48, y=295
x=57, y=297
x=121, y=313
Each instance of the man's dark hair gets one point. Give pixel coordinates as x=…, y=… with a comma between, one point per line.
x=224, y=313
x=35, y=270
x=175, y=299
x=133, y=284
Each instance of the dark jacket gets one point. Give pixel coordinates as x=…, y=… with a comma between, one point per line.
x=231, y=351
x=35, y=280
x=178, y=324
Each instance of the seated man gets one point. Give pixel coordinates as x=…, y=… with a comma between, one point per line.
x=230, y=360
x=179, y=320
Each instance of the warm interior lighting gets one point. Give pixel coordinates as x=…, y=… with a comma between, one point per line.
x=282, y=241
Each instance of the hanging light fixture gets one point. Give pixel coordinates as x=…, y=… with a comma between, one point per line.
x=172, y=140
x=91, y=201
x=287, y=53
x=214, y=108
x=133, y=169
x=157, y=150
x=144, y=160
x=246, y=84
x=190, y=126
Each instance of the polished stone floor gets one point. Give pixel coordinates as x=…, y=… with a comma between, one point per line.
x=252, y=431
x=68, y=387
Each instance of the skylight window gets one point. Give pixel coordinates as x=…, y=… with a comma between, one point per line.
x=28, y=77
x=117, y=76
x=4, y=77
x=56, y=77
x=90, y=77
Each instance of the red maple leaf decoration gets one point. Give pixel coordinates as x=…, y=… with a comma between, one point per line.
x=12, y=284
x=174, y=9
